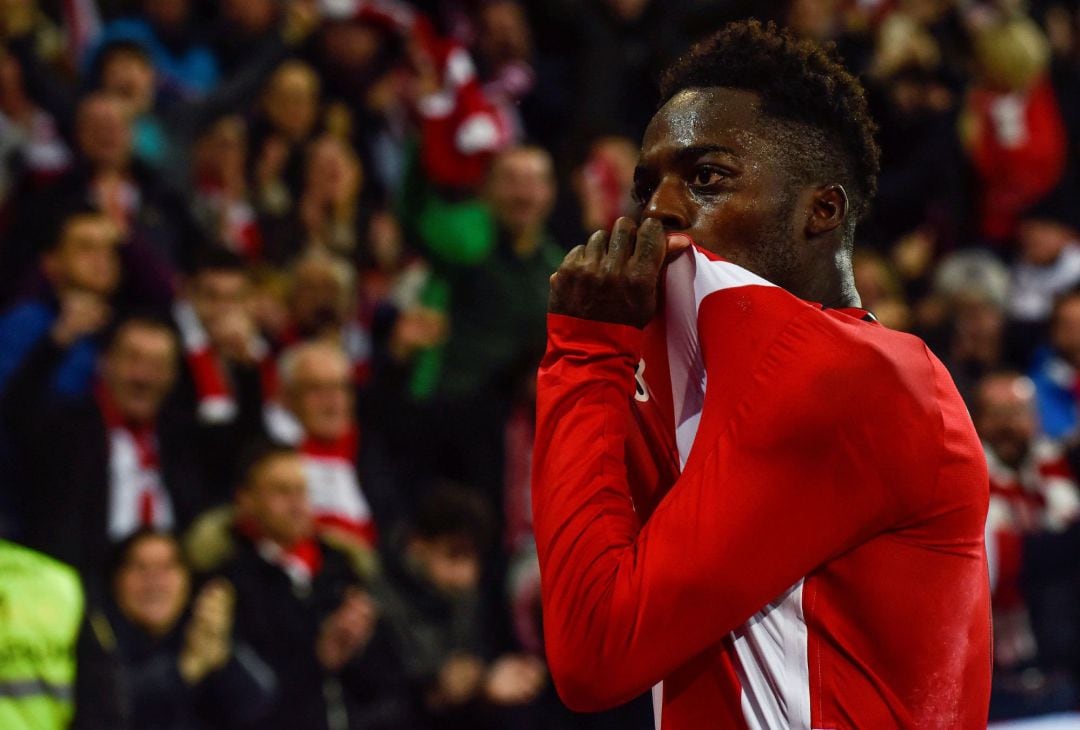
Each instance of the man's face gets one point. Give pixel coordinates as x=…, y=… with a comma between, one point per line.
x=1065, y=330
x=276, y=499
x=317, y=300
x=139, y=369
x=451, y=564
x=707, y=171
x=521, y=189
x=1005, y=416
x=292, y=100
x=218, y=295
x=320, y=394
x=151, y=586
x=103, y=130
x=87, y=257
x=130, y=77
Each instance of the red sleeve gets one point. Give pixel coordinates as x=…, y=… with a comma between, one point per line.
x=778, y=482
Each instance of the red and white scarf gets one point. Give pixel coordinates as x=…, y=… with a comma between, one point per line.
x=300, y=562
x=338, y=502
x=213, y=386
x=137, y=494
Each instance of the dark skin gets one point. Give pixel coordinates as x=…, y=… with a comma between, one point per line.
x=712, y=171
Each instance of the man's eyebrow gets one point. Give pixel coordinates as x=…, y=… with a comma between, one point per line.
x=702, y=150
x=691, y=153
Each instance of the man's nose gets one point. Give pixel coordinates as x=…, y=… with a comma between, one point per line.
x=668, y=204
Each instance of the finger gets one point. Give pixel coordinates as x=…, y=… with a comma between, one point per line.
x=595, y=248
x=621, y=242
x=651, y=246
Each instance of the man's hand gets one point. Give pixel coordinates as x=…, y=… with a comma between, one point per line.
x=458, y=682
x=82, y=313
x=514, y=679
x=208, y=639
x=614, y=278
x=347, y=630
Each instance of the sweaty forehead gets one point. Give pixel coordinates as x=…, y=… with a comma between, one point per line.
x=704, y=117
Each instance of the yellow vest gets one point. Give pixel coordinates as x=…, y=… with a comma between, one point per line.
x=41, y=609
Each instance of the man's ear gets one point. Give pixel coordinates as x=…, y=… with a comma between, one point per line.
x=827, y=211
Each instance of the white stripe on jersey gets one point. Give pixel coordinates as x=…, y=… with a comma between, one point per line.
x=773, y=665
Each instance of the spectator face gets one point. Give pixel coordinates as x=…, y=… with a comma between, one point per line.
x=1065, y=330
x=86, y=257
x=103, y=131
x=1005, y=416
x=276, y=499
x=292, y=100
x=504, y=33
x=130, y=77
x=521, y=189
x=219, y=295
x=451, y=564
x=1041, y=242
x=151, y=587
x=253, y=17
x=319, y=300
x=333, y=172
x=320, y=393
x=139, y=369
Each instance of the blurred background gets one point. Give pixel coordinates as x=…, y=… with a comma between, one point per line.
x=273, y=282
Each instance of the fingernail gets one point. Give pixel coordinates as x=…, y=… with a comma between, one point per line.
x=678, y=241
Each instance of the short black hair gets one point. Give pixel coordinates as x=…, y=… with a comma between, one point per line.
x=453, y=511
x=120, y=553
x=800, y=83
x=146, y=318
x=55, y=226
x=254, y=454
x=214, y=256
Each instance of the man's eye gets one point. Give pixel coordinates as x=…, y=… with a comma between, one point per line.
x=706, y=176
x=641, y=193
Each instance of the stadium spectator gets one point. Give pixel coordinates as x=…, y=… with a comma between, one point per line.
x=177, y=663
x=100, y=466
x=432, y=602
x=1032, y=490
x=229, y=379
x=491, y=262
x=303, y=609
x=82, y=268
x=317, y=383
x=1055, y=366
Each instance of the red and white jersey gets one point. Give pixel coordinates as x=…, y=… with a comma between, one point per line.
x=775, y=510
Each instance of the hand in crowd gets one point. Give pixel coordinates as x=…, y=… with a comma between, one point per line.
x=514, y=679
x=347, y=630
x=82, y=313
x=235, y=334
x=459, y=681
x=416, y=329
x=208, y=639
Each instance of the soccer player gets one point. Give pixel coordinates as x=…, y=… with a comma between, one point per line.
x=746, y=491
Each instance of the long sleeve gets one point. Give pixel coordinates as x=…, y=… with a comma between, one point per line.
x=788, y=470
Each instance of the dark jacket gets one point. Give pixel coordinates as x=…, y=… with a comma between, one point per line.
x=63, y=448
x=282, y=625
x=237, y=695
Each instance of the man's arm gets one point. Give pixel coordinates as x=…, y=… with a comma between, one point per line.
x=782, y=477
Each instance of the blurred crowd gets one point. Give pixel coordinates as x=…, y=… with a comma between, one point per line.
x=273, y=283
